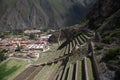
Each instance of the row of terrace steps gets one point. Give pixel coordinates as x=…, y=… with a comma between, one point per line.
x=69, y=72
x=72, y=72
x=29, y=73
x=80, y=70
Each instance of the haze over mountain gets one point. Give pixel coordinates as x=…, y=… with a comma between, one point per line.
x=20, y=14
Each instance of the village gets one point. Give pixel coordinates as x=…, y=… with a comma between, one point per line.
x=26, y=47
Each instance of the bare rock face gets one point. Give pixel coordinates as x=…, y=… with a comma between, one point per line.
x=21, y=14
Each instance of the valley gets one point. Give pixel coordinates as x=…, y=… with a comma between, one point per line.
x=59, y=39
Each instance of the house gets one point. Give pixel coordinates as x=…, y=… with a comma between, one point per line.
x=44, y=38
x=31, y=31
x=41, y=47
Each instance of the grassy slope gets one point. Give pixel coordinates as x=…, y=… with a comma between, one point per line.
x=49, y=55
x=11, y=68
x=45, y=57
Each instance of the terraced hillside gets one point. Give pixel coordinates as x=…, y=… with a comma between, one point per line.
x=29, y=73
x=69, y=68
x=67, y=63
x=66, y=67
x=10, y=68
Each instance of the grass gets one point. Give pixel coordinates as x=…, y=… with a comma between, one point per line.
x=11, y=68
x=49, y=55
x=111, y=54
x=98, y=46
x=90, y=72
x=79, y=70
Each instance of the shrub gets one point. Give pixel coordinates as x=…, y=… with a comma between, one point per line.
x=32, y=36
x=2, y=54
x=98, y=46
x=111, y=54
x=107, y=39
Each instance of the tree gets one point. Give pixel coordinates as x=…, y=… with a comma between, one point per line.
x=18, y=48
x=2, y=54
x=32, y=36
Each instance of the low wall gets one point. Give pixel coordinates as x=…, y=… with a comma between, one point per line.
x=95, y=67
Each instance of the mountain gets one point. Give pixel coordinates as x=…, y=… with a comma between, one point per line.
x=21, y=14
x=105, y=19
x=101, y=11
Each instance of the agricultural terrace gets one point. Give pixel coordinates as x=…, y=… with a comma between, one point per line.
x=10, y=68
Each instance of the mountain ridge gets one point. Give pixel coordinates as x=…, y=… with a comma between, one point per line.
x=42, y=13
